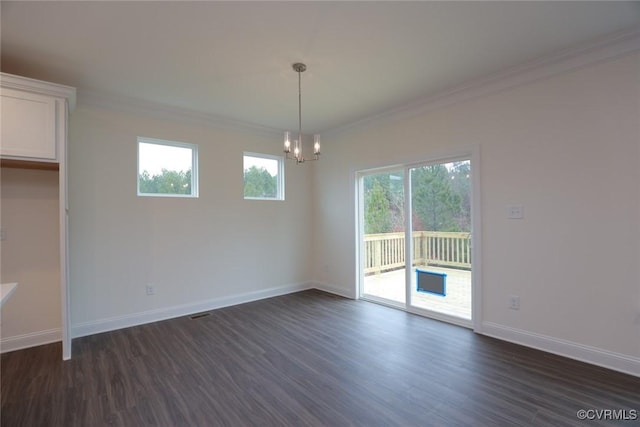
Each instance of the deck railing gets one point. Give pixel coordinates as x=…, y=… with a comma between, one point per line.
x=386, y=251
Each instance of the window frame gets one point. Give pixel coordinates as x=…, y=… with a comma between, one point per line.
x=194, y=167
x=279, y=179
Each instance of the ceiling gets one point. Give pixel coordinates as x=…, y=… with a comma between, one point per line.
x=232, y=60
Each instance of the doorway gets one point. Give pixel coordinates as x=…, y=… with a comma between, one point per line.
x=415, y=238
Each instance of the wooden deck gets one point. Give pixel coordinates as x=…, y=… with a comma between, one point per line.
x=391, y=286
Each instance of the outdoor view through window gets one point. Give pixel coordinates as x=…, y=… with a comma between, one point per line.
x=166, y=168
x=263, y=177
x=440, y=218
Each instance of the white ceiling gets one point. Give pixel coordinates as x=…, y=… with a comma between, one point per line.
x=233, y=59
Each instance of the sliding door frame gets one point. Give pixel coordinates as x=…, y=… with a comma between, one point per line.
x=472, y=154
x=360, y=233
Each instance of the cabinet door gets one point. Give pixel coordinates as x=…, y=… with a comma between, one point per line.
x=28, y=123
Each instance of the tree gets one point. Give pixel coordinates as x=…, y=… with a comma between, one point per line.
x=376, y=207
x=434, y=201
x=258, y=182
x=460, y=175
x=441, y=199
x=168, y=182
x=391, y=202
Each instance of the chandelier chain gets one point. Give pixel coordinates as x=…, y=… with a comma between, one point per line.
x=300, y=107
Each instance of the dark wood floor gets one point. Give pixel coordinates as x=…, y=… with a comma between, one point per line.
x=306, y=359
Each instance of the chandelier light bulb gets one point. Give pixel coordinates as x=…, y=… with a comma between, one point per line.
x=287, y=143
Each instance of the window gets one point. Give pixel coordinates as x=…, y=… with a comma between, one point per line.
x=263, y=177
x=167, y=168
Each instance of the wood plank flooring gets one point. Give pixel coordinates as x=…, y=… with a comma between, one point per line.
x=305, y=359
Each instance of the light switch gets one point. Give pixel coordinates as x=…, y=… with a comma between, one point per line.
x=515, y=211
x=3, y=234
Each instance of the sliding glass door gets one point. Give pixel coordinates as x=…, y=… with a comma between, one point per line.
x=415, y=238
x=382, y=237
x=441, y=237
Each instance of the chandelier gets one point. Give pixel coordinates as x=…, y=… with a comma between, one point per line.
x=299, y=68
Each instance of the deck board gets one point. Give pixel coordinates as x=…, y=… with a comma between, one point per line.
x=457, y=302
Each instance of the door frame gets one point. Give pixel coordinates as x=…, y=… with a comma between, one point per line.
x=472, y=154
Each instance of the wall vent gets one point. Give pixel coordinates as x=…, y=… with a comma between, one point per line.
x=199, y=316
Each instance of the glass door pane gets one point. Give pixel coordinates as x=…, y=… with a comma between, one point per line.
x=383, y=237
x=441, y=238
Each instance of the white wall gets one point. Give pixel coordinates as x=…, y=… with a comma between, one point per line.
x=199, y=253
x=567, y=148
x=31, y=257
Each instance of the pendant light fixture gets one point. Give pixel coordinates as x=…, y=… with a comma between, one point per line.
x=299, y=68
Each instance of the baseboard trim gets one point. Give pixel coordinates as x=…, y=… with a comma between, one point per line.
x=33, y=339
x=593, y=355
x=149, y=316
x=333, y=289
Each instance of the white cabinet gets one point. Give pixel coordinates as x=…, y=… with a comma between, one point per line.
x=28, y=125
x=33, y=118
x=33, y=122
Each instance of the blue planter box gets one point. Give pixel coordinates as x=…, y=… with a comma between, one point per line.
x=431, y=282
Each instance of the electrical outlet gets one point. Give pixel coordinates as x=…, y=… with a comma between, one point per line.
x=515, y=212
x=151, y=290
x=514, y=302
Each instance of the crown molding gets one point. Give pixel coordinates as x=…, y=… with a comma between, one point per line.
x=597, y=51
x=161, y=111
x=600, y=50
x=26, y=84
